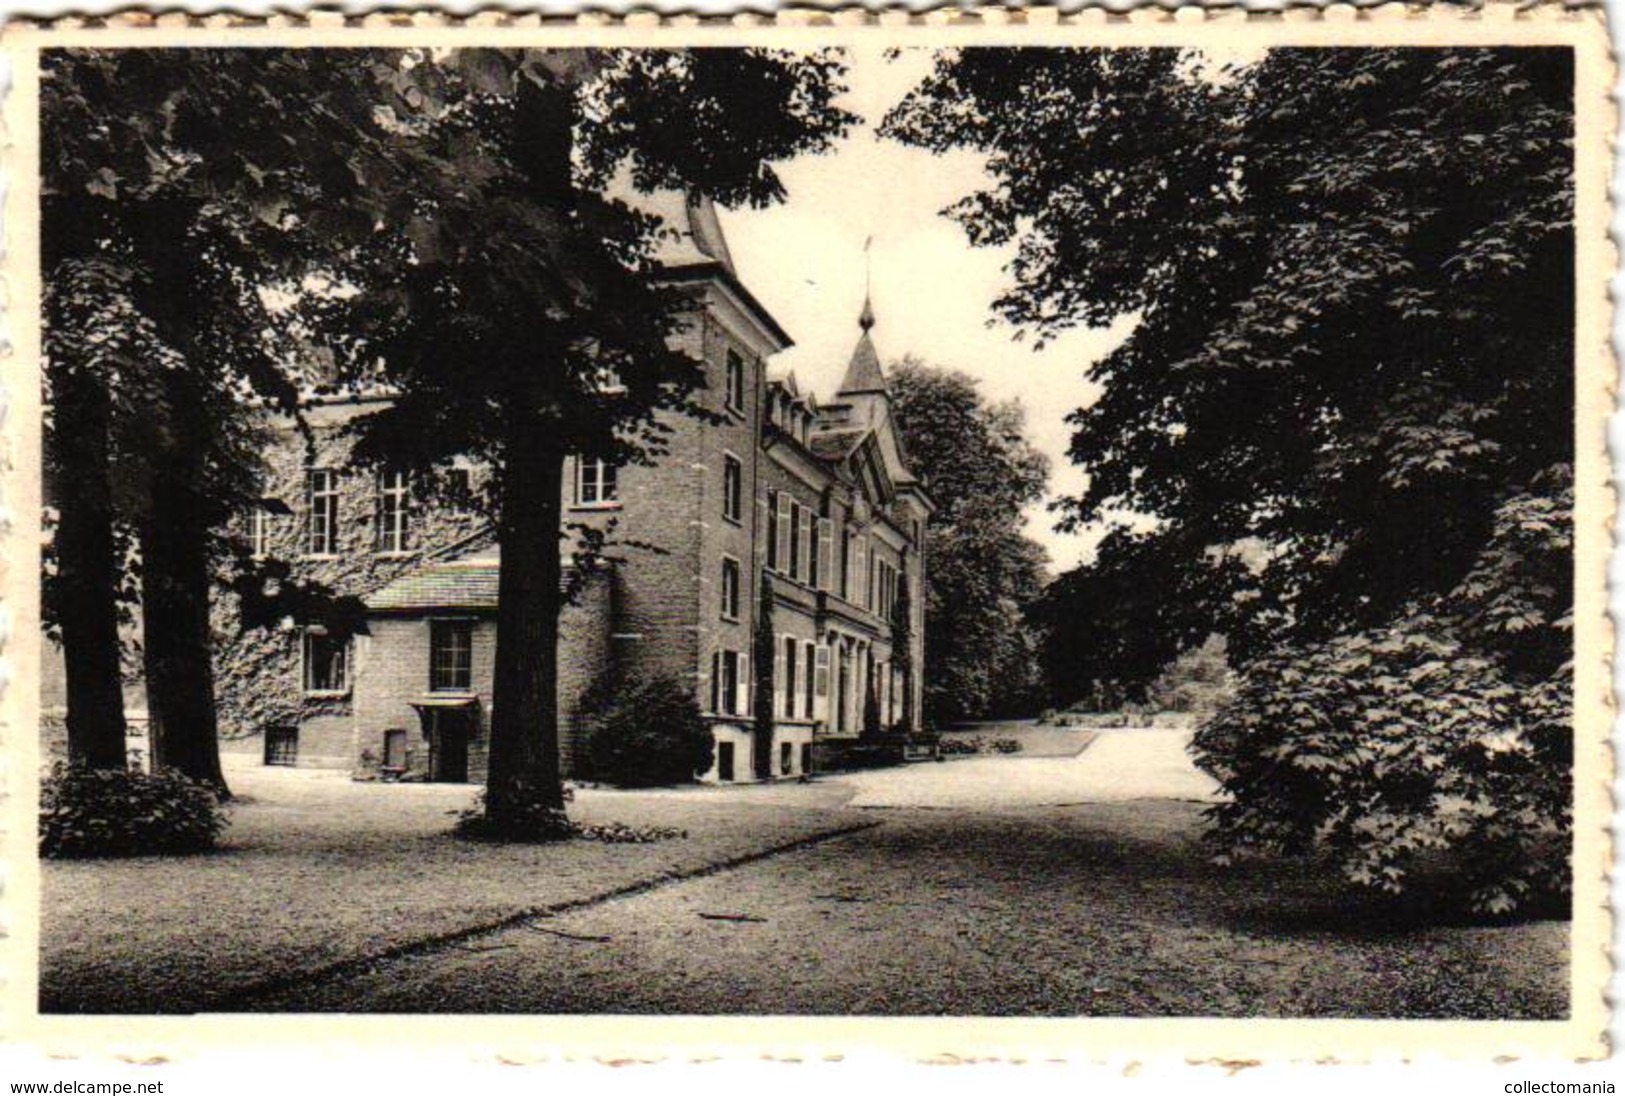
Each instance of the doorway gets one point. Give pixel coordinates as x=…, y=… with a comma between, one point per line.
x=448, y=733
x=725, y=761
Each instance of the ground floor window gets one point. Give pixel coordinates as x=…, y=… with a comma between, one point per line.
x=787, y=758
x=451, y=655
x=728, y=678
x=725, y=761
x=282, y=746
x=326, y=663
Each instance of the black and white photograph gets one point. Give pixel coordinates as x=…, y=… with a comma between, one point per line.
x=822, y=527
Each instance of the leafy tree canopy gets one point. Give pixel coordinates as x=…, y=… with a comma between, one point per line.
x=983, y=572
x=1346, y=409
x=1353, y=276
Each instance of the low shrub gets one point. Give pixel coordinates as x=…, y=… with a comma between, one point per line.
x=977, y=744
x=533, y=823
x=112, y=812
x=644, y=734
x=547, y=824
x=1394, y=750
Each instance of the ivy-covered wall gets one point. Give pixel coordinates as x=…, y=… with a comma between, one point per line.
x=258, y=672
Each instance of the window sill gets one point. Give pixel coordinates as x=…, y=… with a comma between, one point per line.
x=318, y=557
x=326, y=694
x=404, y=553
x=737, y=412
x=726, y=619
x=736, y=522
x=615, y=505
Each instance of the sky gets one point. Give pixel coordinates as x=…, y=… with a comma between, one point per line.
x=932, y=291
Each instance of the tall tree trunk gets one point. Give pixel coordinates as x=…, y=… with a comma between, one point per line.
x=524, y=779
x=176, y=635
x=87, y=572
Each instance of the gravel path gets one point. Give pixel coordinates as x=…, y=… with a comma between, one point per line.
x=1103, y=910
x=1117, y=765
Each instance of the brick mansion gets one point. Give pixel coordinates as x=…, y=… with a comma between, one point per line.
x=814, y=497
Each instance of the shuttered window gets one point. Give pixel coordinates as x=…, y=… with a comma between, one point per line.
x=782, y=521
x=790, y=692
x=821, y=683
x=826, y=545
x=808, y=683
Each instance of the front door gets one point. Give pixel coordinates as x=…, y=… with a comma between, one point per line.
x=448, y=745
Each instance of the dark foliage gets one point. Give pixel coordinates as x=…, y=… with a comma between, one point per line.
x=984, y=573
x=646, y=734
x=88, y=813
x=1344, y=413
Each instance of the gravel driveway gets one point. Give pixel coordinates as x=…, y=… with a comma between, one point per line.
x=1117, y=765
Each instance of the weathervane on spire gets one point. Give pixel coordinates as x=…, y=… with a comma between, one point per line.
x=866, y=319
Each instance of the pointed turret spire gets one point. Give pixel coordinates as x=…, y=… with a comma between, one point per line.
x=863, y=373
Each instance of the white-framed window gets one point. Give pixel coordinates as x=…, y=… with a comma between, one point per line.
x=733, y=488
x=261, y=528
x=733, y=387
x=730, y=588
x=597, y=482
x=394, y=511
x=730, y=679
x=326, y=663
x=791, y=649
x=322, y=511
x=451, y=655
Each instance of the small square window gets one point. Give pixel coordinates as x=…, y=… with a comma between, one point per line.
x=282, y=746
x=597, y=482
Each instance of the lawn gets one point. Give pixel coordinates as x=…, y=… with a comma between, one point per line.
x=1109, y=909
x=316, y=871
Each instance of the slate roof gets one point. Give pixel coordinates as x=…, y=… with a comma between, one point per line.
x=460, y=584
x=863, y=372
